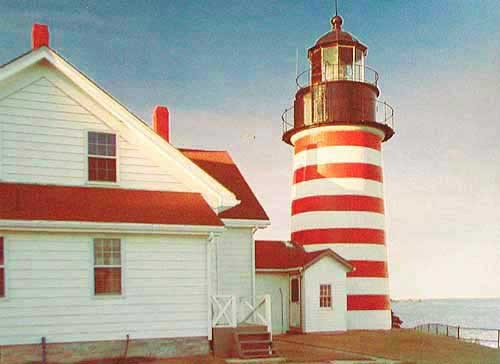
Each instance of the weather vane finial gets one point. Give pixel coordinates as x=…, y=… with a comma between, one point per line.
x=336, y=20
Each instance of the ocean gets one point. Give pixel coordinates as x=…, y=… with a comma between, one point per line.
x=466, y=313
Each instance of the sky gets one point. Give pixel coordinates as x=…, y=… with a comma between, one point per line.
x=226, y=70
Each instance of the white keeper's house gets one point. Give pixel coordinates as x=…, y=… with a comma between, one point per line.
x=107, y=229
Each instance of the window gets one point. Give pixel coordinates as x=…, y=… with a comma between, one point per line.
x=295, y=290
x=359, y=69
x=325, y=295
x=107, y=267
x=330, y=64
x=2, y=269
x=102, y=157
x=345, y=63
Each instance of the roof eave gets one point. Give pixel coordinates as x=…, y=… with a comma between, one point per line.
x=108, y=227
x=244, y=223
x=332, y=254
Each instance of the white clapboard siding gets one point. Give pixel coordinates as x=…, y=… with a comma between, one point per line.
x=234, y=262
x=50, y=277
x=277, y=285
x=325, y=271
x=43, y=138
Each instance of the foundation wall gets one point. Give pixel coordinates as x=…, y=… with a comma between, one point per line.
x=85, y=352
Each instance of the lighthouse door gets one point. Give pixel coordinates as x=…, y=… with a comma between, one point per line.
x=295, y=298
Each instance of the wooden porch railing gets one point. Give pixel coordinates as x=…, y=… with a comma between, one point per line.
x=231, y=311
x=224, y=311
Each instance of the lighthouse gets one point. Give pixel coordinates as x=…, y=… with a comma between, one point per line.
x=337, y=126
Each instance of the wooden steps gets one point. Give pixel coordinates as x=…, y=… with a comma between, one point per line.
x=253, y=344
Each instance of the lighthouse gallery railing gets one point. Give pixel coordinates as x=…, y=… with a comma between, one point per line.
x=384, y=114
x=338, y=72
x=316, y=81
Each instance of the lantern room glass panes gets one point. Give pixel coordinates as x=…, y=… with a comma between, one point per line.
x=330, y=60
x=359, y=66
x=343, y=63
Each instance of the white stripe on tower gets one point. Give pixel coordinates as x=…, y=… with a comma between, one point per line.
x=337, y=219
x=337, y=154
x=337, y=203
x=338, y=186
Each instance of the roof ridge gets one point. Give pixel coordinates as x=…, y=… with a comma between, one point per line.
x=203, y=150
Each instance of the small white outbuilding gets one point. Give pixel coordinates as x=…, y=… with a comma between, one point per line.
x=308, y=289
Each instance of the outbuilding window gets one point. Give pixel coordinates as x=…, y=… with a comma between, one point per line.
x=107, y=267
x=295, y=290
x=2, y=268
x=101, y=157
x=325, y=295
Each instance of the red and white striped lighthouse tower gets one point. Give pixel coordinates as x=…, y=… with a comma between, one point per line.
x=336, y=128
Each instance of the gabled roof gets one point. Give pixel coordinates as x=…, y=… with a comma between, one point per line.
x=221, y=166
x=281, y=255
x=217, y=195
x=108, y=205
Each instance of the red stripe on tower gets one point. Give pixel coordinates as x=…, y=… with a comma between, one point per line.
x=338, y=203
x=339, y=236
x=338, y=170
x=338, y=138
x=368, y=302
x=367, y=268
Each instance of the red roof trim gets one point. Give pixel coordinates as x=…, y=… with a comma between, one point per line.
x=280, y=255
x=90, y=204
x=221, y=166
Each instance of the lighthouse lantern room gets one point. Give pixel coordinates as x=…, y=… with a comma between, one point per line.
x=336, y=127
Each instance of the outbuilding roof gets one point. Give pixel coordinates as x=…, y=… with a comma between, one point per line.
x=282, y=255
x=221, y=166
x=112, y=205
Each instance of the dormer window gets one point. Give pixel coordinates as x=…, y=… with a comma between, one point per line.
x=101, y=157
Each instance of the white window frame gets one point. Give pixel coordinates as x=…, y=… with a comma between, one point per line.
x=92, y=267
x=331, y=297
x=116, y=157
x=4, y=266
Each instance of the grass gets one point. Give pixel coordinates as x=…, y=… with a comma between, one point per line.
x=405, y=345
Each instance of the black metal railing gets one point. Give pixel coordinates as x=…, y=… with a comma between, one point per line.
x=287, y=119
x=478, y=335
x=337, y=72
x=384, y=114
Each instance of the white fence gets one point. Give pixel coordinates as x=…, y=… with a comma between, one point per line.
x=233, y=311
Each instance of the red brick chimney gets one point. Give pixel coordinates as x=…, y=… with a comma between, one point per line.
x=161, y=124
x=39, y=36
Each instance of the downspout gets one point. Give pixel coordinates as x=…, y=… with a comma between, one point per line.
x=302, y=300
x=210, y=241
x=253, y=266
x=282, y=312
